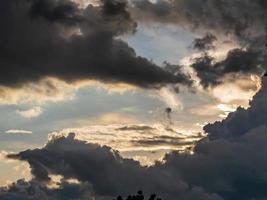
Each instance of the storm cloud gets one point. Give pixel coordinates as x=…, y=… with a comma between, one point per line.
x=204, y=43
x=230, y=166
x=244, y=22
x=46, y=38
x=29, y=190
x=237, y=61
x=255, y=117
x=107, y=172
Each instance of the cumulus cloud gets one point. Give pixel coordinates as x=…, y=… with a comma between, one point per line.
x=134, y=140
x=239, y=21
x=81, y=41
x=237, y=61
x=243, y=19
x=62, y=156
x=229, y=164
x=45, y=90
x=31, y=113
x=59, y=39
x=28, y=190
x=204, y=43
x=250, y=118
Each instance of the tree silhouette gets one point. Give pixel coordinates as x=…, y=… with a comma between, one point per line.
x=139, y=196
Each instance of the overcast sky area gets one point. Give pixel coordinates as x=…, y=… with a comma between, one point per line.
x=100, y=98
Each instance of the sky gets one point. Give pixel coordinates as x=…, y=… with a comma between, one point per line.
x=100, y=98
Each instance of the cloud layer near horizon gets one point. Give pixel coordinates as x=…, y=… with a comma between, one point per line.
x=225, y=167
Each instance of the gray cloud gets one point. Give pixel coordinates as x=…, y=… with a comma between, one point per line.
x=237, y=61
x=35, y=44
x=230, y=17
x=204, y=43
x=243, y=120
x=105, y=169
x=243, y=21
x=24, y=190
x=135, y=128
x=230, y=165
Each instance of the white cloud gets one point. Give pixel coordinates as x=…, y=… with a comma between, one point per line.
x=31, y=113
x=46, y=90
x=17, y=131
x=54, y=90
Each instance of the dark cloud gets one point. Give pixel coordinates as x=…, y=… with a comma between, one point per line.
x=240, y=18
x=204, y=43
x=230, y=164
x=56, y=11
x=24, y=190
x=237, y=61
x=107, y=172
x=242, y=21
x=243, y=120
x=135, y=128
x=158, y=141
x=115, y=7
x=63, y=156
x=38, y=41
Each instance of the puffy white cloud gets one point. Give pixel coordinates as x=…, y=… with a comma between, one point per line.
x=31, y=113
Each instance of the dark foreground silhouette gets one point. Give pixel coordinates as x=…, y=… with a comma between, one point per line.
x=139, y=196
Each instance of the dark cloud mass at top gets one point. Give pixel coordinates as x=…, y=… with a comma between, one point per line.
x=36, y=42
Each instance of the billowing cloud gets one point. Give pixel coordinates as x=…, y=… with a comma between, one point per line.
x=238, y=21
x=27, y=190
x=31, y=113
x=253, y=117
x=63, y=155
x=205, y=43
x=59, y=39
x=242, y=19
x=230, y=166
x=237, y=61
x=45, y=90
x=145, y=141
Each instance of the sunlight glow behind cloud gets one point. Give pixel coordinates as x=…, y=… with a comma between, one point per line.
x=143, y=142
